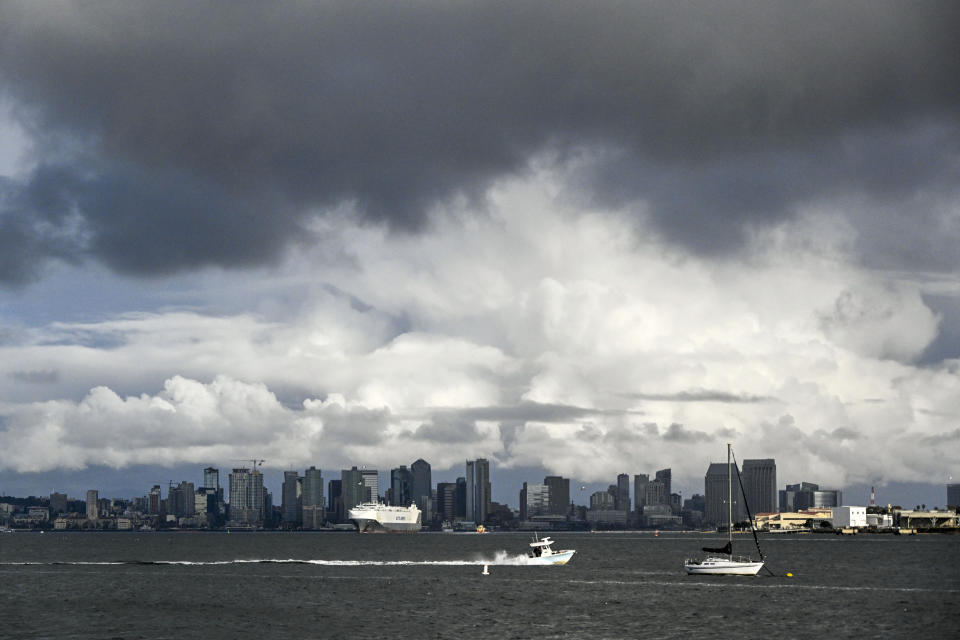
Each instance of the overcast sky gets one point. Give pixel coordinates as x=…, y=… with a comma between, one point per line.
x=578, y=237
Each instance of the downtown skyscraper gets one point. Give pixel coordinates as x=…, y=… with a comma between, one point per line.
x=478, y=490
x=760, y=485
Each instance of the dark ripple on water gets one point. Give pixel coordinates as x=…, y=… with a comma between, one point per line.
x=430, y=585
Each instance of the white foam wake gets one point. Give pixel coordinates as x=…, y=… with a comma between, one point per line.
x=501, y=558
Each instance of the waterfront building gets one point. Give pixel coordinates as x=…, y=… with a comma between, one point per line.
x=760, y=485
x=93, y=504
x=290, y=499
x=558, y=489
x=478, y=490
x=792, y=520
x=808, y=495
x=849, y=517
x=660, y=515
x=953, y=496
x=622, y=497
x=640, y=481
x=607, y=517
x=313, y=517
x=401, y=487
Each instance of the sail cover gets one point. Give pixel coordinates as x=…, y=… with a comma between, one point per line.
x=727, y=549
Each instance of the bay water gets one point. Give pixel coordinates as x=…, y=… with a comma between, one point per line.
x=431, y=585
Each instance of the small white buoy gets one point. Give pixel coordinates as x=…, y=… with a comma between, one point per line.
x=486, y=570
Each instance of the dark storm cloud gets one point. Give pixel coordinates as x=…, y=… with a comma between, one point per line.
x=207, y=132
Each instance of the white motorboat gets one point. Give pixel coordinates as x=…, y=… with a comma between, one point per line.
x=541, y=552
x=721, y=562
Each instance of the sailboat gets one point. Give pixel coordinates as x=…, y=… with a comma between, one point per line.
x=720, y=561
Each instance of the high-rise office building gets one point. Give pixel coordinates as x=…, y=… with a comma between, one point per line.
x=335, y=495
x=312, y=495
x=953, y=495
x=640, y=481
x=290, y=500
x=353, y=490
x=93, y=506
x=559, y=490
x=371, y=483
x=446, y=501
x=422, y=481
x=536, y=500
x=247, y=496
x=760, y=485
x=656, y=494
x=601, y=501
x=180, y=500
x=460, y=499
x=213, y=495
x=401, y=486
x=58, y=503
x=716, y=494
x=478, y=490
x=156, y=500
x=211, y=478
x=664, y=476
x=622, y=498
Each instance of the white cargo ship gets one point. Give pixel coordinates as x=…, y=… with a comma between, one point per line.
x=375, y=517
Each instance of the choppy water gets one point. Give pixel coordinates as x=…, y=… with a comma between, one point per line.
x=323, y=585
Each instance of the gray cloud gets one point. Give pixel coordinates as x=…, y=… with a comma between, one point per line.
x=702, y=395
x=678, y=433
x=39, y=376
x=175, y=136
x=528, y=412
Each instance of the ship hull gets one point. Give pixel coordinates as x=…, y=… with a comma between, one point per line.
x=558, y=557
x=379, y=518
x=723, y=567
x=372, y=526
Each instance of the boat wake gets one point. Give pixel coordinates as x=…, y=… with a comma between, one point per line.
x=501, y=558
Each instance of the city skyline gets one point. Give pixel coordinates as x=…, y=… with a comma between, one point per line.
x=506, y=483
x=550, y=235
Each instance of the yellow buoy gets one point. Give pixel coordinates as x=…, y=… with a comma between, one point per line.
x=789, y=575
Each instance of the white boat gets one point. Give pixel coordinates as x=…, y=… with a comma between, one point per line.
x=541, y=552
x=721, y=562
x=376, y=517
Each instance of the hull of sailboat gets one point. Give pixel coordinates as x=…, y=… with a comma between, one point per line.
x=723, y=567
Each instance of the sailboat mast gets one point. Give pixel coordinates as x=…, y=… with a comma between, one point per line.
x=729, y=504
